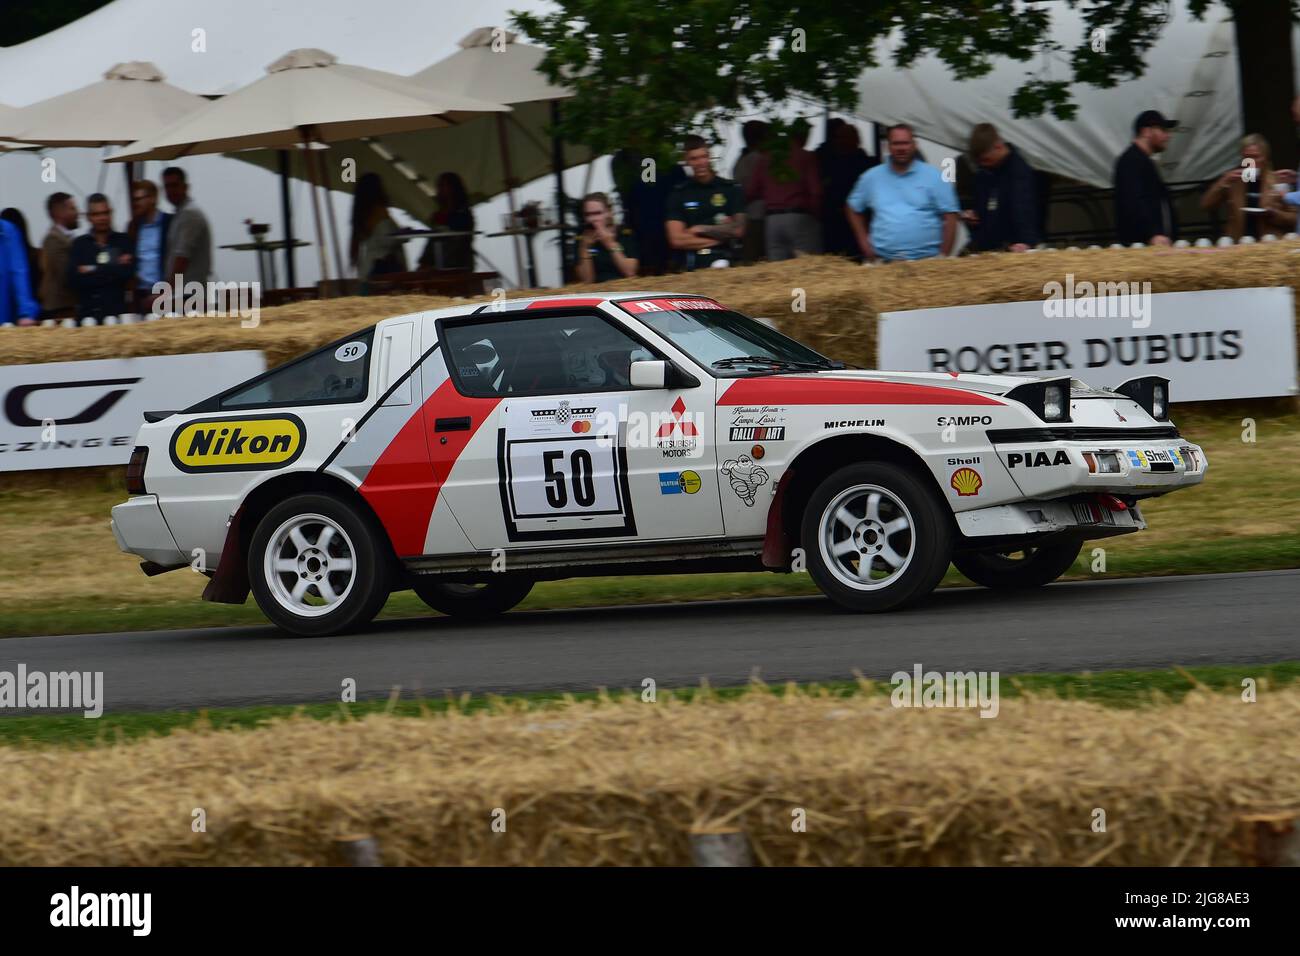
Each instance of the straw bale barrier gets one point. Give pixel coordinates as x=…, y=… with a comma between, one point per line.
x=627, y=782
x=842, y=299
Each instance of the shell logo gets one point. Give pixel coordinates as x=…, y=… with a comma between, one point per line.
x=966, y=481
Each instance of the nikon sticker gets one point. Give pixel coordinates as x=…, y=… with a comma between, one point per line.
x=253, y=443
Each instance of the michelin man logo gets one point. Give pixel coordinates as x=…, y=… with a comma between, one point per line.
x=746, y=477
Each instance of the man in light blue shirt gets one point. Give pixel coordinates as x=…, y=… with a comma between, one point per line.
x=913, y=211
x=149, y=227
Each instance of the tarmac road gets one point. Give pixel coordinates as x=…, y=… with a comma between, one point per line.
x=1093, y=625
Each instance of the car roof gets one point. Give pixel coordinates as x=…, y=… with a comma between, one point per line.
x=512, y=305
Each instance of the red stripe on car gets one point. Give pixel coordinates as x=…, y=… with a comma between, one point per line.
x=672, y=304
x=562, y=303
x=403, y=484
x=838, y=391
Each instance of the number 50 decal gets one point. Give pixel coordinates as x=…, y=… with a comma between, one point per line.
x=584, y=485
x=563, y=487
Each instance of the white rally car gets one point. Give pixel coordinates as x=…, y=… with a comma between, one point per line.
x=470, y=452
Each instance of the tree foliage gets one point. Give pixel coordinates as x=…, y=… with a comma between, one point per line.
x=647, y=71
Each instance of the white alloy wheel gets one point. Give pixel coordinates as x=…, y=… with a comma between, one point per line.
x=867, y=538
x=309, y=565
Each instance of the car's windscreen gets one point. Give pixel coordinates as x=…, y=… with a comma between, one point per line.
x=335, y=374
x=728, y=343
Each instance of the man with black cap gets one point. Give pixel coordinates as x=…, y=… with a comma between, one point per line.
x=1143, y=209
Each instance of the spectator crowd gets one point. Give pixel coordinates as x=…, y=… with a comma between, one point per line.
x=101, y=274
x=784, y=200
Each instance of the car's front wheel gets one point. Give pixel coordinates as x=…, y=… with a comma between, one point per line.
x=876, y=537
x=1027, y=568
x=317, y=566
x=473, y=600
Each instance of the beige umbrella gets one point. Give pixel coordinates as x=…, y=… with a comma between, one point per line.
x=131, y=102
x=6, y=145
x=492, y=63
x=309, y=97
x=495, y=67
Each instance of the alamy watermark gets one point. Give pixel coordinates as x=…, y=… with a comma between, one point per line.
x=946, y=689
x=242, y=300
x=55, y=690
x=1100, y=300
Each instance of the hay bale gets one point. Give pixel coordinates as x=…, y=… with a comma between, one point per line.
x=628, y=782
x=843, y=300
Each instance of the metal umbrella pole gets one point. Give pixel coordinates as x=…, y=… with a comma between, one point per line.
x=286, y=213
x=510, y=193
x=315, y=205
x=329, y=213
x=561, y=212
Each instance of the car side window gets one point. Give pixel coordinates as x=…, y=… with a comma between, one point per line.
x=336, y=374
x=534, y=355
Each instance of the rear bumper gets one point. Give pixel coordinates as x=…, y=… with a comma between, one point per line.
x=139, y=527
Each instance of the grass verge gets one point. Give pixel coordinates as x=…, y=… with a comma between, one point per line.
x=61, y=572
x=95, y=615
x=1118, y=688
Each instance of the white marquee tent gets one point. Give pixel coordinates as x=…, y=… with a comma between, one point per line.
x=1191, y=77
x=215, y=48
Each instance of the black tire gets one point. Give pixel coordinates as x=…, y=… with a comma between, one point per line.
x=928, y=538
x=371, y=573
x=1001, y=570
x=472, y=601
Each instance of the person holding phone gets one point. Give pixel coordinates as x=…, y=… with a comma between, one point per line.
x=1288, y=184
x=1250, y=195
x=605, y=252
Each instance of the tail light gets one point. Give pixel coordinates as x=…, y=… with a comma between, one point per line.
x=135, y=471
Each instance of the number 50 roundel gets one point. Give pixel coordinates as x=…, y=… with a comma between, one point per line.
x=563, y=470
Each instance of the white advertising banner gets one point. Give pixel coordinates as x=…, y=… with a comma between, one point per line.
x=78, y=414
x=1226, y=343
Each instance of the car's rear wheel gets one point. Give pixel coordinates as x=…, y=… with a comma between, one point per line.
x=876, y=536
x=1027, y=568
x=318, y=566
x=486, y=599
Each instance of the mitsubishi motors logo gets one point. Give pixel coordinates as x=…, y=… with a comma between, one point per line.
x=678, y=447
x=688, y=428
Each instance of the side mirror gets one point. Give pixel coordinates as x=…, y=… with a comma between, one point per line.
x=649, y=374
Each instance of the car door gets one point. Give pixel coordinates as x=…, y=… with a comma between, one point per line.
x=563, y=448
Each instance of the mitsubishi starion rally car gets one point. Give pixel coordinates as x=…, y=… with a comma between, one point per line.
x=467, y=453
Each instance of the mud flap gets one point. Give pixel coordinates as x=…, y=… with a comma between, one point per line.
x=229, y=583
x=776, y=543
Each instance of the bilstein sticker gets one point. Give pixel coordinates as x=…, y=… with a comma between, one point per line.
x=252, y=443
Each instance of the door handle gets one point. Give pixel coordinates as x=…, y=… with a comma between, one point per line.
x=451, y=424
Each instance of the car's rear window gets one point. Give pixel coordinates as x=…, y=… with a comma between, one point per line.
x=335, y=374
